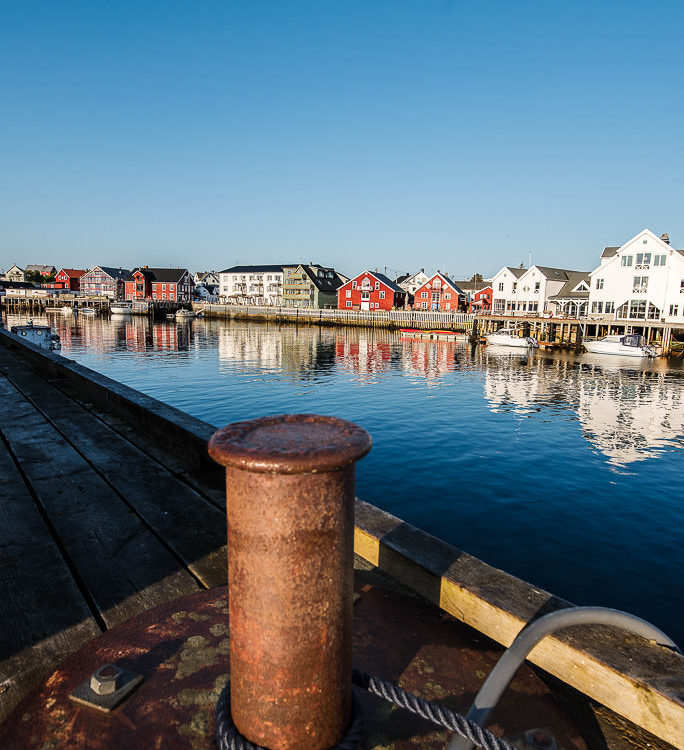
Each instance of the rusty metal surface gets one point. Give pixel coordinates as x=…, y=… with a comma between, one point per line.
x=290, y=444
x=182, y=650
x=290, y=508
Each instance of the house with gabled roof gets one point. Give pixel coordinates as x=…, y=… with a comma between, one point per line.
x=311, y=286
x=105, y=281
x=411, y=282
x=534, y=291
x=439, y=293
x=160, y=284
x=504, y=285
x=14, y=273
x=69, y=278
x=42, y=270
x=370, y=290
x=572, y=299
x=641, y=281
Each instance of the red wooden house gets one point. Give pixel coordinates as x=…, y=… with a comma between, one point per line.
x=370, y=290
x=439, y=293
x=165, y=284
x=482, y=300
x=69, y=278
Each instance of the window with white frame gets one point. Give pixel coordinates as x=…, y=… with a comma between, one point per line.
x=382, y=294
x=501, y=286
x=610, y=307
x=659, y=260
x=447, y=295
x=353, y=285
x=377, y=285
x=537, y=284
x=599, y=283
x=423, y=295
x=640, y=285
x=515, y=286
x=349, y=304
x=674, y=310
x=643, y=260
x=626, y=260
x=681, y=286
x=424, y=305
x=348, y=293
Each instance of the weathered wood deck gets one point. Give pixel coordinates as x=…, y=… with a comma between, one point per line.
x=99, y=524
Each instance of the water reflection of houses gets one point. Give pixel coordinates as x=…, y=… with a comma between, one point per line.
x=630, y=415
x=304, y=352
x=628, y=412
x=431, y=360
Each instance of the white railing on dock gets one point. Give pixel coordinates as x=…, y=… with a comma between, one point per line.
x=398, y=317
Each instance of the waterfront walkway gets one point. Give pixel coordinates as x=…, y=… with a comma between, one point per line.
x=98, y=524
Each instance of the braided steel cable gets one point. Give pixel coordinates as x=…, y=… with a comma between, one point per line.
x=229, y=738
x=433, y=712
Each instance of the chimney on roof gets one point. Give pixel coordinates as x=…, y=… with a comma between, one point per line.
x=665, y=238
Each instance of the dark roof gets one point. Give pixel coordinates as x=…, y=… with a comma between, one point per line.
x=259, y=269
x=517, y=272
x=403, y=277
x=574, y=278
x=391, y=284
x=115, y=273
x=324, y=284
x=162, y=274
x=609, y=252
x=73, y=273
x=380, y=277
x=42, y=269
x=4, y=284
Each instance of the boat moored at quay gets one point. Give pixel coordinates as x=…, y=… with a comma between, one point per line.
x=511, y=336
x=630, y=345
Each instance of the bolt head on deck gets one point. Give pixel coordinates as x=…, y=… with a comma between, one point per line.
x=105, y=679
x=290, y=444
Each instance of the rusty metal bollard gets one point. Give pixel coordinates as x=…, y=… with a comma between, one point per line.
x=290, y=504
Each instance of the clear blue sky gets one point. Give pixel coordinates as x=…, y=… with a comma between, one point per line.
x=405, y=133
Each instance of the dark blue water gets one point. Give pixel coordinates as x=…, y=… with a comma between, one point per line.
x=563, y=470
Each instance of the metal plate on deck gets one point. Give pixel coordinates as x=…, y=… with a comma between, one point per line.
x=182, y=651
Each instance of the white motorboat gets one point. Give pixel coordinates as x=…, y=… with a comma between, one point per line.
x=41, y=336
x=626, y=345
x=184, y=314
x=87, y=310
x=120, y=308
x=511, y=337
x=67, y=310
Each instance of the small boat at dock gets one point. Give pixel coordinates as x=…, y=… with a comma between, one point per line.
x=511, y=337
x=630, y=345
x=87, y=310
x=120, y=308
x=184, y=314
x=41, y=336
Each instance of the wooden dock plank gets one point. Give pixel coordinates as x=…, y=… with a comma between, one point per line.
x=190, y=525
x=124, y=567
x=44, y=615
x=208, y=484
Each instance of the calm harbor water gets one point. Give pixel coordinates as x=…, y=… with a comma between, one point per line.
x=563, y=470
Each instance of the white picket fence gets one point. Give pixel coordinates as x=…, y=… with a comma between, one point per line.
x=373, y=317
